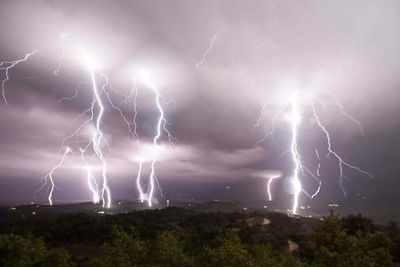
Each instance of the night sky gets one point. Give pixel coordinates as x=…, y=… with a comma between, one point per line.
x=260, y=51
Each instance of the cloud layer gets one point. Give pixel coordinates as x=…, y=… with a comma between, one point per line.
x=260, y=49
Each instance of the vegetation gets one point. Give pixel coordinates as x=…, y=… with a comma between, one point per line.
x=179, y=237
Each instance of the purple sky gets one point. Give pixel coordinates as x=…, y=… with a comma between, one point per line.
x=349, y=49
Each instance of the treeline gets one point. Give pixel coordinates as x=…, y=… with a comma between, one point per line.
x=178, y=237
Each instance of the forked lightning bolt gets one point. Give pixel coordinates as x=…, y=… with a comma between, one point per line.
x=6, y=66
x=97, y=140
x=341, y=162
x=96, y=114
x=295, y=105
x=161, y=126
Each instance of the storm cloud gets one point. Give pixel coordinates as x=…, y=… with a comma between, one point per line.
x=349, y=49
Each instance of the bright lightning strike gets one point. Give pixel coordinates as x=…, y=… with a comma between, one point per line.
x=98, y=137
x=160, y=123
x=132, y=97
x=94, y=115
x=9, y=65
x=96, y=111
x=269, y=185
x=319, y=162
x=50, y=177
x=294, y=118
x=91, y=181
x=161, y=127
x=138, y=182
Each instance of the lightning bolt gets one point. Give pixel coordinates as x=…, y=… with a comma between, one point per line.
x=161, y=127
x=9, y=65
x=98, y=139
x=274, y=119
x=340, y=108
x=138, y=183
x=161, y=124
x=49, y=176
x=73, y=96
x=117, y=108
x=341, y=161
x=132, y=98
x=318, y=175
x=135, y=96
x=269, y=185
x=295, y=121
x=294, y=150
x=205, y=54
x=94, y=115
x=91, y=181
x=319, y=162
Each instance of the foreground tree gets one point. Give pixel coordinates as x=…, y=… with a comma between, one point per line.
x=331, y=244
x=124, y=250
x=19, y=251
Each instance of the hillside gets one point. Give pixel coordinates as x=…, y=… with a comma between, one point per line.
x=201, y=236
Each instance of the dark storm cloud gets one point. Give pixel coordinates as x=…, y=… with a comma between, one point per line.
x=347, y=48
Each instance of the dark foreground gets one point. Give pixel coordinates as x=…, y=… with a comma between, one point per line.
x=181, y=237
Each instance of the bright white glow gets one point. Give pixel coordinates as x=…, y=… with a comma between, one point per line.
x=294, y=117
x=89, y=62
x=145, y=152
x=87, y=59
x=146, y=76
x=152, y=71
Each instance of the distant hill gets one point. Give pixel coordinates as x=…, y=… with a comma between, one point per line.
x=36, y=210
x=220, y=206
